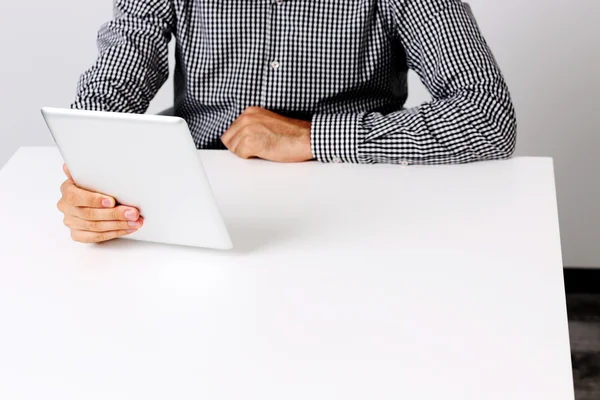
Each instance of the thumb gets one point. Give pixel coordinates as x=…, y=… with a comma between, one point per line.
x=66, y=171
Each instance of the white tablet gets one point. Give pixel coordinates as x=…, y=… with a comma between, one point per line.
x=145, y=161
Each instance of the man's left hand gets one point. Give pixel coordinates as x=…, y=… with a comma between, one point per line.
x=264, y=134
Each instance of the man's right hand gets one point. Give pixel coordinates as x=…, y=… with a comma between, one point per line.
x=94, y=217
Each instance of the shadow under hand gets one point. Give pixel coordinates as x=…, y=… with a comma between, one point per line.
x=247, y=236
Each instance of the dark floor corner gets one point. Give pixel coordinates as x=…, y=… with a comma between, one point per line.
x=583, y=306
x=582, y=280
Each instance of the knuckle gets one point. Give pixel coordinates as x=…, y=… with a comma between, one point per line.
x=247, y=142
x=248, y=139
x=245, y=119
x=246, y=131
x=100, y=237
x=87, y=213
x=91, y=226
x=66, y=186
x=70, y=197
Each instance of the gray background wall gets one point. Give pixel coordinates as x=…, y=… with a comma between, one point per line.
x=549, y=51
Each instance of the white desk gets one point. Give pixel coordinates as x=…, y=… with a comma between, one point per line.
x=347, y=282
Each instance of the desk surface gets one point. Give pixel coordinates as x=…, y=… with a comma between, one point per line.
x=346, y=282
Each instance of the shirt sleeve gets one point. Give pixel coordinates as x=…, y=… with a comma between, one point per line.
x=133, y=58
x=470, y=118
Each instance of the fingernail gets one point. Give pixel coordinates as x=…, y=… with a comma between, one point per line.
x=131, y=230
x=106, y=203
x=130, y=215
x=134, y=223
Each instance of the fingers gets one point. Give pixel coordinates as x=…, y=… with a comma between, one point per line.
x=119, y=213
x=67, y=173
x=229, y=135
x=97, y=237
x=79, y=224
x=243, y=145
x=250, y=116
x=245, y=118
x=236, y=140
x=93, y=217
x=94, y=225
x=249, y=141
x=82, y=198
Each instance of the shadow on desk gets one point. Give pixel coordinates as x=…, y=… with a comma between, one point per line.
x=247, y=237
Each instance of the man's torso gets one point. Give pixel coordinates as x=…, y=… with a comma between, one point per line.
x=293, y=57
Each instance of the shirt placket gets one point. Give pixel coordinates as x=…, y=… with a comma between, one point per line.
x=270, y=62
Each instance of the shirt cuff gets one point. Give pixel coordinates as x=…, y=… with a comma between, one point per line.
x=335, y=137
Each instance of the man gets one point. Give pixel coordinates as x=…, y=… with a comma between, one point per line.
x=295, y=80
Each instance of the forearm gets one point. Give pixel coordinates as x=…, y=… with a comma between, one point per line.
x=476, y=124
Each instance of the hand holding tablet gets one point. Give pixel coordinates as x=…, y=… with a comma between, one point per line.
x=94, y=217
x=134, y=176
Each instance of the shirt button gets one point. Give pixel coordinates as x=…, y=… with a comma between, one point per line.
x=337, y=160
x=278, y=2
x=405, y=163
x=275, y=64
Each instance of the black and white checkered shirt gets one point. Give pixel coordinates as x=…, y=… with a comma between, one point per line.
x=341, y=64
